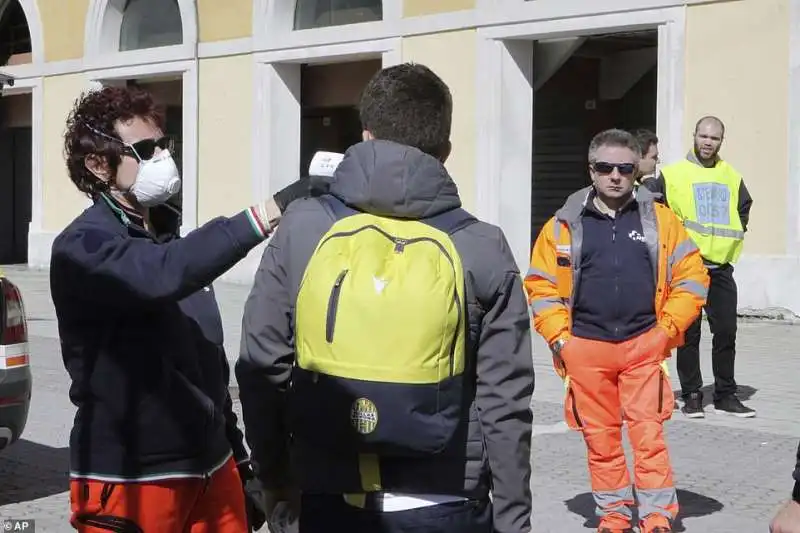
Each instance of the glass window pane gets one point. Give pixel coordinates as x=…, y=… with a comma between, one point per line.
x=320, y=13
x=150, y=24
x=15, y=39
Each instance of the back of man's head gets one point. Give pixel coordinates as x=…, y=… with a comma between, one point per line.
x=408, y=104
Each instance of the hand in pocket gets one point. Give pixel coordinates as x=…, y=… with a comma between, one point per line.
x=558, y=358
x=654, y=342
x=558, y=364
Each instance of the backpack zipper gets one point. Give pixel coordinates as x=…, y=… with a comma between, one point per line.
x=333, y=306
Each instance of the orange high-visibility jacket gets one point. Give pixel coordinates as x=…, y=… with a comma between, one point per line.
x=681, y=279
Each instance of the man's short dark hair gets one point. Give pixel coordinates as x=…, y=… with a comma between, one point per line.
x=617, y=138
x=410, y=105
x=646, y=139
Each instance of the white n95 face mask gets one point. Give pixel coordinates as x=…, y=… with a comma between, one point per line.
x=158, y=180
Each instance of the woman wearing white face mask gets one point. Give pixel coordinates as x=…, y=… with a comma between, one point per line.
x=155, y=443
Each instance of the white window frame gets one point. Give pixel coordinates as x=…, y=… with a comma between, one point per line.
x=505, y=102
x=115, y=66
x=273, y=27
x=331, y=12
x=33, y=86
x=119, y=20
x=277, y=113
x=102, y=34
x=277, y=107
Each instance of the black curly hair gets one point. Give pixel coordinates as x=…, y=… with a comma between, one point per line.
x=99, y=111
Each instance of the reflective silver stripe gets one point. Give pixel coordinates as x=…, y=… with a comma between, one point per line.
x=683, y=249
x=541, y=305
x=663, y=501
x=540, y=274
x=714, y=232
x=614, y=501
x=692, y=286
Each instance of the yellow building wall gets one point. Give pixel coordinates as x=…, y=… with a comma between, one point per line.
x=63, y=23
x=225, y=184
x=416, y=8
x=220, y=20
x=737, y=67
x=436, y=51
x=62, y=201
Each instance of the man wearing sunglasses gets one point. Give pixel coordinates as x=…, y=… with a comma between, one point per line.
x=613, y=284
x=155, y=445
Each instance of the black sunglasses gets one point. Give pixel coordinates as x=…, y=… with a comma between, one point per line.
x=143, y=150
x=625, y=169
x=146, y=148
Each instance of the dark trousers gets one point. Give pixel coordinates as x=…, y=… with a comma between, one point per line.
x=327, y=513
x=721, y=312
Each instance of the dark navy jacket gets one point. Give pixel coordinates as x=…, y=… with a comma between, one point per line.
x=142, y=340
x=616, y=298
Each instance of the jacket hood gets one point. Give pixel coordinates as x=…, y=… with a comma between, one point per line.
x=390, y=179
x=576, y=202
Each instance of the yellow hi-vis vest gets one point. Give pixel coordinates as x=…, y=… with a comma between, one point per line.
x=707, y=201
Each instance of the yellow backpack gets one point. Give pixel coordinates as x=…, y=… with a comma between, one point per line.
x=381, y=335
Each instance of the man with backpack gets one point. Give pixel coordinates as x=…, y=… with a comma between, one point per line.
x=386, y=369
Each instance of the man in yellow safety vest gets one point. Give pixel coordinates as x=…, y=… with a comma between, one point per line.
x=711, y=199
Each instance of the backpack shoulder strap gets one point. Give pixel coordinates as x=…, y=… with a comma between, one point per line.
x=448, y=222
x=336, y=207
x=451, y=221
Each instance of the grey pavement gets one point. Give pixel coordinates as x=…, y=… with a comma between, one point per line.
x=731, y=474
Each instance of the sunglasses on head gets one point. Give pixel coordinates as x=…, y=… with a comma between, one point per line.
x=625, y=169
x=143, y=150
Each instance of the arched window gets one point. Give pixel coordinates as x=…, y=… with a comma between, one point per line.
x=320, y=13
x=15, y=39
x=150, y=24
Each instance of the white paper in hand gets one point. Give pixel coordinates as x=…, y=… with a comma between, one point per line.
x=324, y=163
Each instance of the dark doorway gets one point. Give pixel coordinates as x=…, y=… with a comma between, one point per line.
x=331, y=129
x=608, y=81
x=16, y=173
x=16, y=141
x=329, y=100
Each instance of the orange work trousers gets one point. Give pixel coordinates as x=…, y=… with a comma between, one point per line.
x=191, y=505
x=608, y=383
